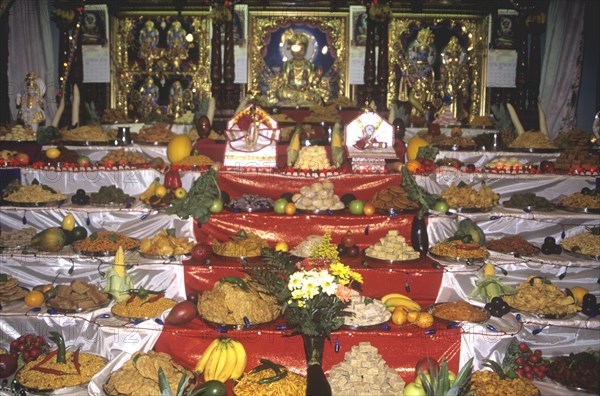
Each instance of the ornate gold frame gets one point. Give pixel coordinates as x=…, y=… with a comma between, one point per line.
x=125, y=74
x=261, y=23
x=476, y=28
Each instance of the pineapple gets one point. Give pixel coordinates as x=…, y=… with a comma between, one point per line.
x=439, y=384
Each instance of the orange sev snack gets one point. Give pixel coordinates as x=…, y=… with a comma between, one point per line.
x=105, y=241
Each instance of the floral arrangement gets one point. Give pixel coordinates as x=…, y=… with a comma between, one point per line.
x=314, y=291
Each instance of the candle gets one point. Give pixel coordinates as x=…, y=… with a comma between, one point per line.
x=18, y=99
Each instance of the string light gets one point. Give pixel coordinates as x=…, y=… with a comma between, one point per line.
x=72, y=50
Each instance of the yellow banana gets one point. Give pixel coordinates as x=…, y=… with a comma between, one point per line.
x=150, y=190
x=409, y=305
x=201, y=365
x=336, y=139
x=230, y=358
x=213, y=362
x=387, y=297
x=241, y=361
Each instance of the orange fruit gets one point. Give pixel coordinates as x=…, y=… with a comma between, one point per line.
x=290, y=209
x=578, y=293
x=413, y=166
x=369, y=209
x=34, y=298
x=424, y=320
x=399, y=316
x=412, y=316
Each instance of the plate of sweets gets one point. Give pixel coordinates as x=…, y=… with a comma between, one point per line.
x=514, y=245
x=142, y=304
x=241, y=245
x=33, y=195
x=466, y=199
x=391, y=249
x=585, y=201
x=459, y=311
x=457, y=250
x=104, y=243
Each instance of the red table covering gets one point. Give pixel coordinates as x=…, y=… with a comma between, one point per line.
x=400, y=347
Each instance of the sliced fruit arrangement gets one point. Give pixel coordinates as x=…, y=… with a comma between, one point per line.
x=222, y=360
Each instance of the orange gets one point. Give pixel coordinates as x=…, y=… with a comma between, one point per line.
x=290, y=209
x=424, y=320
x=399, y=316
x=369, y=209
x=34, y=298
x=578, y=293
x=412, y=316
x=413, y=166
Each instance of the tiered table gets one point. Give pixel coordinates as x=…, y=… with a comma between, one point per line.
x=427, y=280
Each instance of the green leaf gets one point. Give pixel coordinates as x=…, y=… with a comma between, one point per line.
x=163, y=383
x=113, y=236
x=94, y=236
x=171, y=232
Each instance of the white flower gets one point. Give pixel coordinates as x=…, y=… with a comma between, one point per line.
x=310, y=288
x=328, y=283
x=295, y=281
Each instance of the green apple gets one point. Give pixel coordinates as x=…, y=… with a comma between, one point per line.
x=441, y=206
x=279, y=205
x=413, y=389
x=217, y=206
x=419, y=379
x=356, y=207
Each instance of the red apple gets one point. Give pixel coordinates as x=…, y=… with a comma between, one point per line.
x=547, y=167
x=8, y=365
x=426, y=365
x=83, y=160
x=200, y=252
x=21, y=158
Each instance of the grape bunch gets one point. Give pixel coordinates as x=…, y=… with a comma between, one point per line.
x=497, y=307
x=530, y=364
x=550, y=246
x=30, y=347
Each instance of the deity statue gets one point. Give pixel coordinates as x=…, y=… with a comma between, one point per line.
x=176, y=43
x=298, y=83
x=148, y=40
x=418, y=73
x=176, y=100
x=148, y=97
x=32, y=102
x=454, y=75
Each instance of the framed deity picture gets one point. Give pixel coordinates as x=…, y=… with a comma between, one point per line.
x=297, y=60
x=437, y=66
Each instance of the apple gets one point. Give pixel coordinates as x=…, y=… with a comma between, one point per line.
x=413, y=389
x=21, y=158
x=217, y=206
x=279, y=205
x=348, y=239
x=426, y=365
x=200, y=252
x=356, y=207
x=8, y=365
x=352, y=251
x=419, y=379
x=441, y=206
x=83, y=160
x=547, y=167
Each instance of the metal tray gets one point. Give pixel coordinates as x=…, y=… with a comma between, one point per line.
x=459, y=259
x=532, y=150
x=378, y=260
x=324, y=212
x=430, y=309
x=581, y=255
x=81, y=310
x=110, y=143
x=248, y=210
x=472, y=210
x=142, y=143
x=456, y=147
x=133, y=318
x=396, y=211
x=372, y=327
x=516, y=254
x=105, y=253
x=235, y=326
x=172, y=257
x=579, y=210
x=530, y=208
x=34, y=204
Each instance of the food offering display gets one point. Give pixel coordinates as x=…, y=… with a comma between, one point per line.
x=241, y=245
x=392, y=248
x=577, y=371
x=104, y=243
x=365, y=313
x=304, y=248
x=87, y=135
x=515, y=245
x=541, y=297
x=531, y=141
x=270, y=379
x=585, y=244
x=225, y=359
x=110, y=196
x=317, y=197
x=585, y=201
x=35, y=194
x=59, y=369
x=528, y=201
x=123, y=157
x=142, y=304
x=77, y=296
x=165, y=244
x=160, y=195
x=250, y=203
x=238, y=302
x=393, y=199
x=10, y=290
x=140, y=375
x=17, y=133
x=369, y=140
x=16, y=239
x=252, y=136
x=459, y=251
x=467, y=199
x=459, y=311
x=158, y=134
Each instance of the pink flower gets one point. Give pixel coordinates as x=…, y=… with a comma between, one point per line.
x=343, y=293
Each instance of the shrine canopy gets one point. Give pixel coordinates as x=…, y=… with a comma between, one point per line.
x=370, y=136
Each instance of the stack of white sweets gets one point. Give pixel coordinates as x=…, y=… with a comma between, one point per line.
x=364, y=372
x=313, y=158
x=365, y=311
x=392, y=247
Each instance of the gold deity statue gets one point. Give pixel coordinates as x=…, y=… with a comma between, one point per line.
x=454, y=76
x=417, y=83
x=299, y=82
x=32, y=103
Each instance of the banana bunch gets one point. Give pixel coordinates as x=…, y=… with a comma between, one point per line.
x=150, y=190
x=394, y=300
x=223, y=359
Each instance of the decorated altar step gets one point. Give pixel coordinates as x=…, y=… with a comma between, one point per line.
x=400, y=348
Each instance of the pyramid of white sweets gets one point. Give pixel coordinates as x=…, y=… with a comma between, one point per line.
x=313, y=158
x=364, y=372
x=393, y=246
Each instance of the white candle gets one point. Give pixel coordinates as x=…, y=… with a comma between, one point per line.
x=18, y=99
x=515, y=119
x=75, y=109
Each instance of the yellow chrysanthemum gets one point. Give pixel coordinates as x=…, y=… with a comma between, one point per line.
x=356, y=277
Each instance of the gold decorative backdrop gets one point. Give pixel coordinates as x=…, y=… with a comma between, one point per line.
x=261, y=67
x=160, y=63
x=438, y=62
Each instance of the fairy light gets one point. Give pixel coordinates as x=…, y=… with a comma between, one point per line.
x=72, y=49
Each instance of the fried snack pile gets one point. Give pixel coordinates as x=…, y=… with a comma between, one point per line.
x=248, y=245
x=467, y=197
x=536, y=140
x=580, y=200
x=163, y=244
x=457, y=249
x=584, y=243
x=139, y=375
x=537, y=295
x=460, y=311
x=143, y=308
x=159, y=133
x=394, y=197
x=10, y=289
x=488, y=383
x=228, y=304
x=34, y=193
x=105, y=241
x=91, y=133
